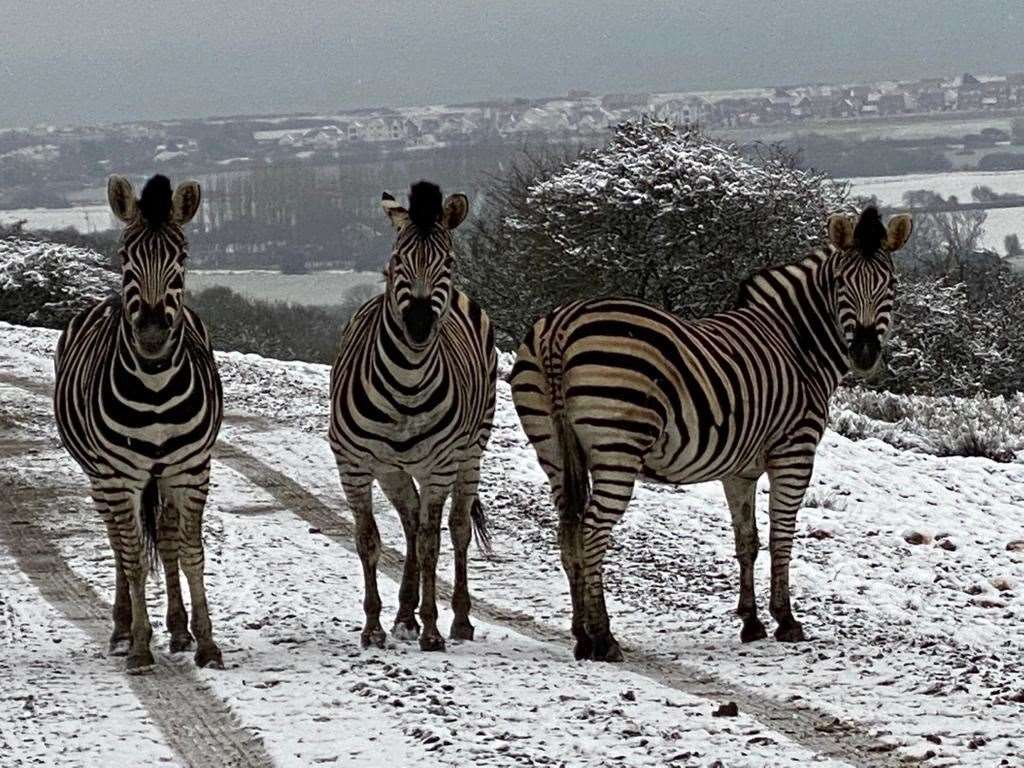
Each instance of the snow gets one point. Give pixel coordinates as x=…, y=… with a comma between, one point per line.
x=84, y=218
x=912, y=644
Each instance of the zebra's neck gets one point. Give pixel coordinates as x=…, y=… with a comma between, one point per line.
x=410, y=372
x=799, y=302
x=154, y=374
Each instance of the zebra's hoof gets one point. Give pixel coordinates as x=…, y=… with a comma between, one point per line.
x=790, y=632
x=584, y=648
x=753, y=630
x=180, y=642
x=120, y=645
x=140, y=663
x=461, y=630
x=209, y=657
x=605, y=648
x=373, y=637
x=431, y=643
x=406, y=629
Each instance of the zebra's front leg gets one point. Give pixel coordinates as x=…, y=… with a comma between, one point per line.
x=129, y=543
x=121, y=637
x=358, y=492
x=186, y=493
x=168, y=544
x=741, y=493
x=460, y=527
x=609, y=497
x=789, y=476
x=401, y=492
x=428, y=542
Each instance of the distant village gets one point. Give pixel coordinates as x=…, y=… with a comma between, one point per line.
x=76, y=154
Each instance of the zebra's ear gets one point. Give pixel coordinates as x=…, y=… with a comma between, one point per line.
x=840, y=231
x=185, y=202
x=455, y=209
x=398, y=215
x=121, y=197
x=898, y=232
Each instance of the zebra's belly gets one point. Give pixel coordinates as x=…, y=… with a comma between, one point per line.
x=683, y=463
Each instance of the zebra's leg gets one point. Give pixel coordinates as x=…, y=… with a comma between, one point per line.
x=611, y=491
x=570, y=543
x=789, y=475
x=401, y=492
x=168, y=545
x=428, y=542
x=121, y=638
x=186, y=493
x=741, y=495
x=358, y=492
x=123, y=514
x=460, y=527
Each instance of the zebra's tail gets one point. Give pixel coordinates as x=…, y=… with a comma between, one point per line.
x=481, y=532
x=150, y=519
x=575, y=480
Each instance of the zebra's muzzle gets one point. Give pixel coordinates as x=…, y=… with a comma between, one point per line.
x=152, y=330
x=418, y=319
x=865, y=350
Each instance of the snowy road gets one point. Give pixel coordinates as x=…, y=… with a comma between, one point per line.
x=908, y=665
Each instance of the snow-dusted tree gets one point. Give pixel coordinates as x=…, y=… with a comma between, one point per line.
x=45, y=283
x=660, y=213
x=944, y=242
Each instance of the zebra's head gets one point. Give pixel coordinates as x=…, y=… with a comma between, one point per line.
x=866, y=282
x=153, y=251
x=419, y=273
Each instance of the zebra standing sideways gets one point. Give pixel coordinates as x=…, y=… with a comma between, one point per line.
x=618, y=389
x=412, y=399
x=138, y=405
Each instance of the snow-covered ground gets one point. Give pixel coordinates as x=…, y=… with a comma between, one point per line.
x=902, y=576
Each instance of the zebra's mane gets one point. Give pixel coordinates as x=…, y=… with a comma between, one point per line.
x=155, y=202
x=425, y=201
x=747, y=289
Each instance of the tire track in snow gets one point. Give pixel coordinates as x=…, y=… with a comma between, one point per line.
x=196, y=724
x=811, y=728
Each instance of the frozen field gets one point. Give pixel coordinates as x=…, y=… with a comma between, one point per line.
x=1000, y=223
x=320, y=288
x=916, y=656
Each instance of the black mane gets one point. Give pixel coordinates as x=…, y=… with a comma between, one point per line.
x=869, y=234
x=155, y=203
x=424, y=205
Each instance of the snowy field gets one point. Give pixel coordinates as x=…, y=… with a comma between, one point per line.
x=1000, y=222
x=905, y=574
x=84, y=218
x=325, y=288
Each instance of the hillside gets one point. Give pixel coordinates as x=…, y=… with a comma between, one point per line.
x=906, y=576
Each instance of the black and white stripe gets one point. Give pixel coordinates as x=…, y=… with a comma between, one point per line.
x=609, y=390
x=138, y=405
x=412, y=401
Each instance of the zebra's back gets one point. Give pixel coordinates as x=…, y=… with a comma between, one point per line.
x=388, y=413
x=693, y=400
x=117, y=418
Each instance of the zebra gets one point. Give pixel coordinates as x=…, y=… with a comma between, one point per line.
x=609, y=390
x=412, y=403
x=138, y=405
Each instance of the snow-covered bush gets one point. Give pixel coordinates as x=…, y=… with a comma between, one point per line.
x=942, y=426
x=660, y=213
x=46, y=284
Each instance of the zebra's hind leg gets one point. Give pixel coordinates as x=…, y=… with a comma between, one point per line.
x=570, y=543
x=357, y=486
x=187, y=494
x=401, y=492
x=789, y=477
x=741, y=495
x=168, y=545
x=428, y=541
x=610, y=495
x=460, y=527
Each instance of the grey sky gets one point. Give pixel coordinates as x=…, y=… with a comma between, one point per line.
x=78, y=61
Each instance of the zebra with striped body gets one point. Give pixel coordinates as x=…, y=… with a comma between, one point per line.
x=412, y=399
x=138, y=405
x=609, y=390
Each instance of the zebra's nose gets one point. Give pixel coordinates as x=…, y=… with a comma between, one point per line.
x=866, y=348
x=418, y=318
x=152, y=329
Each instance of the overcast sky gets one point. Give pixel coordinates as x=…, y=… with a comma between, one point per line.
x=86, y=61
